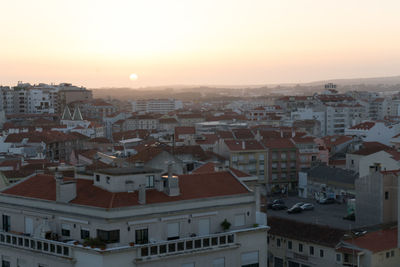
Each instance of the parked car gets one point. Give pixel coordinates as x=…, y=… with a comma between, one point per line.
x=295, y=209
x=307, y=206
x=326, y=201
x=276, y=201
x=279, y=206
x=299, y=204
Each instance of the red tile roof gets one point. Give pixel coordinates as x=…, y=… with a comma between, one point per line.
x=369, y=148
x=194, y=186
x=377, y=241
x=335, y=140
x=225, y=134
x=235, y=145
x=363, y=126
x=243, y=134
x=279, y=143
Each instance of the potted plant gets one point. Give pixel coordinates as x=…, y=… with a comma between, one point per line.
x=225, y=225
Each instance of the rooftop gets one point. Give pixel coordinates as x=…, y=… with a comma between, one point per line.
x=127, y=171
x=193, y=186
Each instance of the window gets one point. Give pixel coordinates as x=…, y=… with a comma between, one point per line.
x=321, y=253
x=97, y=178
x=142, y=236
x=6, y=223
x=249, y=259
x=173, y=231
x=283, y=165
x=239, y=220
x=311, y=250
x=65, y=230
x=392, y=253
x=108, y=179
x=5, y=263
x=108, y=236
x=292, y=155
x=283, y=175
x=387, y=254
x=278, y=242
x=274, y=176
x=219, y=262
x=386, y=195
x=283, y=156
x=300, y=247
x=85, y=233
x=204, y=227
x=289, y=244
x=150, y=181
x=274, y=155
x=274, y=166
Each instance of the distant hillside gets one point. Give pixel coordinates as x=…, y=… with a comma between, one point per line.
x=392, y=80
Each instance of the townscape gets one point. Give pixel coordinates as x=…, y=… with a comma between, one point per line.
x=290, y=179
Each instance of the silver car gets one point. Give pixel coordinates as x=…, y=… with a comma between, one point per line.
x=307, y=206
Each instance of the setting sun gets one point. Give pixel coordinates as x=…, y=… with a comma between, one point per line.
x=133, y=77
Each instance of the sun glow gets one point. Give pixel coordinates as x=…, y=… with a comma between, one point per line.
x=133, y=77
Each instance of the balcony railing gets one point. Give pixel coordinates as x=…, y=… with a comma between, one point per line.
x=186, y=245
x=35, y=244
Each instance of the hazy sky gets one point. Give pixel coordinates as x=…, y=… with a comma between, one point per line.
x=101, y=43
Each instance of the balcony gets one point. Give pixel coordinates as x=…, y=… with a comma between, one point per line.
x=50, y=247
x=186, y=245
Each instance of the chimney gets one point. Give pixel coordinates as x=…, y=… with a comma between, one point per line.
x=243, y=145
x=169, y=170
x=65, y=190
x=172, y=186
x=142, y=194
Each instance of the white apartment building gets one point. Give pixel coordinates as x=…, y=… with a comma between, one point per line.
x=342, y=116
x=132, y=217
x=161, y=106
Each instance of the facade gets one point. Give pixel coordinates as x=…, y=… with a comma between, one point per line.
x=282, y=164
x=377, y=197
x=132, y=217
x=297, y=244
x=160, y=106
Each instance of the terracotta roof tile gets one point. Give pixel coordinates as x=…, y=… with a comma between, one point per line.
x=194, y=186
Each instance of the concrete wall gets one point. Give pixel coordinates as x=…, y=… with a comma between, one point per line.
x=369, y=199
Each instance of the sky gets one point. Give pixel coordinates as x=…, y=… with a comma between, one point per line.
x=196, y=42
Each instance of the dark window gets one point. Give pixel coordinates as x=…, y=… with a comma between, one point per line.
x=300, y=247
x=85, y=234
x=65, y=232
x=108, y=179
x=97, y=178
x=386, y=195
x=289, y=244
x=108, y=236
x=311, y=250
x=6, y=223
x=150, y=181
x=142, y=236
x=278, y=242
x=387, y=254
x=392, y=253
x=5, y=263
x=321, y=253
x=338, y=257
